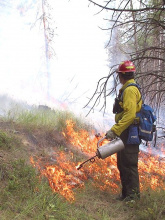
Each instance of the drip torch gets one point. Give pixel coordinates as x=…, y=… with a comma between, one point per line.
x=105, y=151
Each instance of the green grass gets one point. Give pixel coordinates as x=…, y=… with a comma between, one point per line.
x=50, y=119
x=151, y=206
x=24, y=195
x=7, y=141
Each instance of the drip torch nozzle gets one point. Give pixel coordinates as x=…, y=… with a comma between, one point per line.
x=79, y=166
x=92, y=159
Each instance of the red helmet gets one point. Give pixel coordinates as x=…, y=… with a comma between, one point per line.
x=125, y=67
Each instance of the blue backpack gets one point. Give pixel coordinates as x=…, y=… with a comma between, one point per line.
x=147, y=118
x=146, y=122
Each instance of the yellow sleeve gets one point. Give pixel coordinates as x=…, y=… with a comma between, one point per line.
x=130, y=99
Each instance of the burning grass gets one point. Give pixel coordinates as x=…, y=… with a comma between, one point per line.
x=64, y=178
x=90, y=190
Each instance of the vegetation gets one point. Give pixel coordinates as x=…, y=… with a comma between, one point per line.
x=136, y=30
x=24, y=194
x=36, y=118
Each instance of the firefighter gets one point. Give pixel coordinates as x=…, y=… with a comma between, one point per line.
x=125, y=116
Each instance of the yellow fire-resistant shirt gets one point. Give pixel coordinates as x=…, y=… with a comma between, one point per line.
x=130, y=105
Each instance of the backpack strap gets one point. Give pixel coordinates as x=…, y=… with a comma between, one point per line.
x=132, y=84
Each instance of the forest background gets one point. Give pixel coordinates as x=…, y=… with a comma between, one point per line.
x=59, y=56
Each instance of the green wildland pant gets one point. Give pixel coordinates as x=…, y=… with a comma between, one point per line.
x=127, y=163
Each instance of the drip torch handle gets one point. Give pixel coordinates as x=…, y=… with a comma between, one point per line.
x=100, y=141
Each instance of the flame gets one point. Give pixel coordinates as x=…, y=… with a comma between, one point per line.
x=64, y=177
x=82, y=139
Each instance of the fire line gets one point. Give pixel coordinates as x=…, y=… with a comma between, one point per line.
x=64, y=177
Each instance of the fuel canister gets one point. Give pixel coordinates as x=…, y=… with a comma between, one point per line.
x=110, y=148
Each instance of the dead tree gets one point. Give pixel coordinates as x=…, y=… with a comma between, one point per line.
x=48, y=36
x=143, y=29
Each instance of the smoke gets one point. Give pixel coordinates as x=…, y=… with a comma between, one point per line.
x=8, y=106
x=155, y=151
x=78, y=43
x=80, y=58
